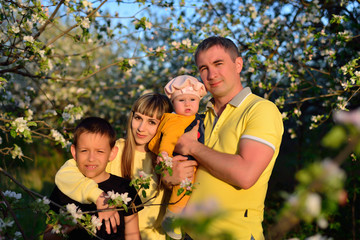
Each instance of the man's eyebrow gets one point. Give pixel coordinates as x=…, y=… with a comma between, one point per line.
x=214, y=62
x=201, y=66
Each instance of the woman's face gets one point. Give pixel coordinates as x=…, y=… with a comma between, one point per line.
x=143, y=129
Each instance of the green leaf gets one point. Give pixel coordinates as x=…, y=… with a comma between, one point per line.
x=143, y=193
x=180, y=191
x=335, y=137
x=33, y=124
x=13, y=133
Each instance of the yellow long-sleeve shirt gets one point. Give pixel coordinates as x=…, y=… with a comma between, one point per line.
x=171, y=127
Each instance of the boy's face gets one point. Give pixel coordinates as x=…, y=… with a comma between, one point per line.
x=186, y=104
x=92, y=155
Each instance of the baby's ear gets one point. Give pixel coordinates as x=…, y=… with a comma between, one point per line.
x=114, y=152
x=73, y=151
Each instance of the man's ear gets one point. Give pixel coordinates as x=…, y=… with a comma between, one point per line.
x=114, y=152
x=73, y=151
x=239, y=64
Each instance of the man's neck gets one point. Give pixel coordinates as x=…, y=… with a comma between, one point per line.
x=221, y=102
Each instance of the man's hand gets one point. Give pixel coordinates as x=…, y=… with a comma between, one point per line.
x=111, y=218
x=187, y=141
x=182, y=168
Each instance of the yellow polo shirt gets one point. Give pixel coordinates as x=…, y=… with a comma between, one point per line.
x=246, y=116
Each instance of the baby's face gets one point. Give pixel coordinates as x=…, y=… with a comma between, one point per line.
x=186, y=104
x=92, y=154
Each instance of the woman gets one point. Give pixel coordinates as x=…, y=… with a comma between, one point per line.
x=133, y=155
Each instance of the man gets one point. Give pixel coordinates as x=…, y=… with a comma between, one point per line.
x=242, y=139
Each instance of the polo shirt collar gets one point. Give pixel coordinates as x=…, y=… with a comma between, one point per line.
x=236, y=101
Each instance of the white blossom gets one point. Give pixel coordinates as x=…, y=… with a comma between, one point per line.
x=125, y=198
x=20, y=125
x=148, y=25
x=112, y=195
x=85, y=23
x=132, y=62
x=297, y=112
x=95, y=221
x=29, y=39
x=15, y=29
x=17, y=235
x=57, y=135
x=12, y=194
x=29, y=114
x=5, y=224
x=74, y=211
x=322, y=223
x=50, y=111
x=186, y=42
x=16, y=152
x=87, y=4
x=56, y=228
x=313, y=204
x=66, y=116
x=41, y=53
x=186, y=183
x=176, y=44
x=143, y=174
x=317, y=237
x=44, y=200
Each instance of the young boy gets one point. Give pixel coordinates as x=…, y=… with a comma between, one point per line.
x=185, y=93
x=93, y=147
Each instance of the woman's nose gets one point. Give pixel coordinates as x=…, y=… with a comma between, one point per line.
x=141, y=126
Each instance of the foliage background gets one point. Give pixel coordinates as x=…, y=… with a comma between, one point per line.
x=95, y=58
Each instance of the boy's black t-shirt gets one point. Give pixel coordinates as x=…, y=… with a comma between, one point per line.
x=119, y=185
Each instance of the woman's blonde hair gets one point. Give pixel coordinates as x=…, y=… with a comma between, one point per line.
x=148, y=104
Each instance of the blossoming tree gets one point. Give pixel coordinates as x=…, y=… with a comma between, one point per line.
x=62, y=60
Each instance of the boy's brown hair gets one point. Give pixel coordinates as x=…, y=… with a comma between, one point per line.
x=95, y=125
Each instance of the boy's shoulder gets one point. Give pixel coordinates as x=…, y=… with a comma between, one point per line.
x=114, y=182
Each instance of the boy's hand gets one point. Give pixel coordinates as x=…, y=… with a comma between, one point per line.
x=111, y=218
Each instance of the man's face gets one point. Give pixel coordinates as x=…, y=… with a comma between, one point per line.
x=219, y=73
x=92, y=154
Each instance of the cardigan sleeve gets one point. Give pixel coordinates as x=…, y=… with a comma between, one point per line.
x=75, y=185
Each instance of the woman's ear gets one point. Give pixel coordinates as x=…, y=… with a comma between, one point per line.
x=73, y=151
x=114, y=152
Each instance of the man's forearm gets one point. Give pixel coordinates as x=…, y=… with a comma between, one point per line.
x=241, y=170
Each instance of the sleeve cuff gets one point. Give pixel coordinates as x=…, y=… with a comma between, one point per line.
x=94, y=195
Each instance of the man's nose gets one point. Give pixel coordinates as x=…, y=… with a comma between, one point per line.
x=212, y=73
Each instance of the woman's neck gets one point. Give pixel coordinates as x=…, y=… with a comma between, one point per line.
x=141, y=148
